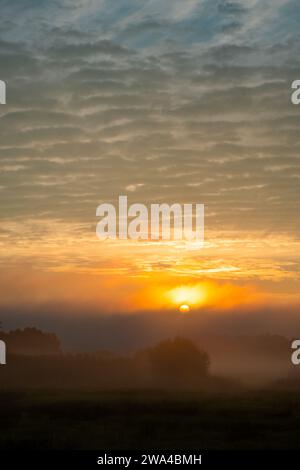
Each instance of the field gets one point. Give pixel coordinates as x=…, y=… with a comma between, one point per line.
x=149, y=420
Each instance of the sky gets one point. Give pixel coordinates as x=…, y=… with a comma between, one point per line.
x=165, y=101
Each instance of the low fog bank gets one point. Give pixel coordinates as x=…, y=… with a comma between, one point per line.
x=82, y=329
x=213, y=362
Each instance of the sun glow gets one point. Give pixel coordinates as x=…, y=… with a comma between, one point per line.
x=187, y=296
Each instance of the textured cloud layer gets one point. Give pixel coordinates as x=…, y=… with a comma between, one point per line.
x=165, y=100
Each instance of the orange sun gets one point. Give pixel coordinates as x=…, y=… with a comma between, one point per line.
x=184, y=308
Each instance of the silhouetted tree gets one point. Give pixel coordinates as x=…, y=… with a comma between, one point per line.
x=177, y=358
x=31, y=341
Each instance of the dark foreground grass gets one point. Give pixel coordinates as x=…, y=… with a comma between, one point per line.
x=149, y=420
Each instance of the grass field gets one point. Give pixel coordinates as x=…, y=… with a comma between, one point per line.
x=150, y=420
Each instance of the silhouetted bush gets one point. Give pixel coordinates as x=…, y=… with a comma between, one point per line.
x=176, y=360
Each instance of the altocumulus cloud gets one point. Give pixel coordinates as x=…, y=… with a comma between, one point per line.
x=186, y=102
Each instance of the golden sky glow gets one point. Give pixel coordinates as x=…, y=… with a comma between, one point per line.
x=165, y=102
x=65, y=263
